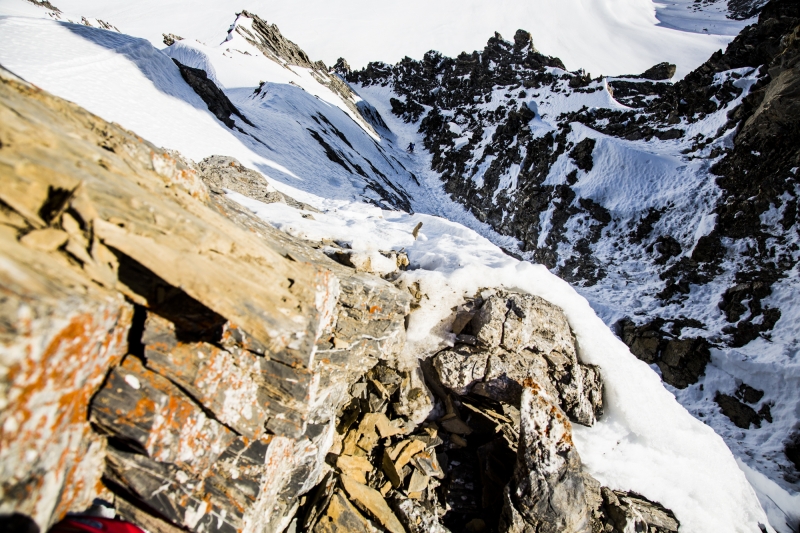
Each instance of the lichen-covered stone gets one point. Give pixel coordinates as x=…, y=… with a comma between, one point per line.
x=239, y=330
x=547, y=493
x=150, y=414
x=235, y=494
x=59, y=333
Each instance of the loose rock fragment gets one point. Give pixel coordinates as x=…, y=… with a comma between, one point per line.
x=341, y=517
x=46, y=240
x=371, y=502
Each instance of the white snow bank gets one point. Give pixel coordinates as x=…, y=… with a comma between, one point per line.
x=602, y=36
x=125, y=80
x=645, y=442
x=120, y=78
x=689, y=15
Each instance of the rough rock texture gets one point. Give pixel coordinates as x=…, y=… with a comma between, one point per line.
x=219, y=104
x=239, y=342
x=547, y=491
x=223, y=172
x=521, y=336
x=269, y=40
x=59, y=333
x=171, y=38
x=632, y=512
x=662, y=71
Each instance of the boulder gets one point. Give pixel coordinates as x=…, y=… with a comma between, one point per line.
x=683, y=361
x=662, y=71
x=521, y=336
x=631, y=512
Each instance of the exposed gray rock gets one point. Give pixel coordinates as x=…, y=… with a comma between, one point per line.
x=269, y=40
x=460, y=368
x=416, y=517
x=683, y=361
x=522, y=336
x=547, y=492
x=741, y=415
x=631, y=512
x=224, y=172
x=171, y=38
x=662, y=71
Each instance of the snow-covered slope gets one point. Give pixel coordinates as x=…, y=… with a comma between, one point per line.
x=82, y=65
x=717, y=17
x=602, y=36
x=306, y=140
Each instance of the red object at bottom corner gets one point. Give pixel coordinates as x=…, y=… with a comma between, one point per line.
x=94, y=524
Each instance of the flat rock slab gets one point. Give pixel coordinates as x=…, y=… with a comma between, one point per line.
x=341, y=517
x=371, y=502
x=150, y=413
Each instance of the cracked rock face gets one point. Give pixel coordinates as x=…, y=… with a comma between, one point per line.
x=546, y=493
x=521, y=336
x=212, y=397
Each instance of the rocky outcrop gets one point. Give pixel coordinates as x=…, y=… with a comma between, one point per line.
x=510, y=338
x=271, y=42
x=161, y=346
x=662, y=71
x=219, y=104
x=627, y=511
x=166, y=350
x=547, y=491
x=171, y=38
x=681, y=361
x=731, y=239
x=226, y=173
x=744, y=9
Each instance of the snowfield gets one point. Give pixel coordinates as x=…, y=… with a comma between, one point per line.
x=646, y=442
x=603, y=36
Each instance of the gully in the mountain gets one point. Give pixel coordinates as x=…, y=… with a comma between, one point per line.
x=694, y=271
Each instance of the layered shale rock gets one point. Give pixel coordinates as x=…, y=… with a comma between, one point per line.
x=160, y=331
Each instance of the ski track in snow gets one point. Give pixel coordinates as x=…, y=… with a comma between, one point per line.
x=646, y=442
